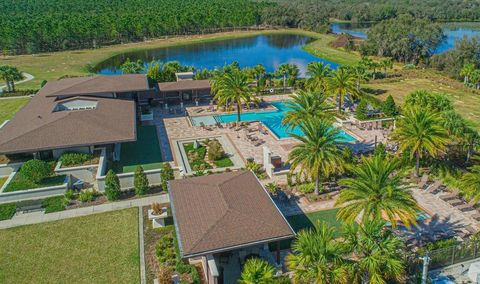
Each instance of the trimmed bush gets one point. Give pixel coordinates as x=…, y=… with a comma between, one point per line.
x=7, y=211
x=112, y=186
x=140, y=181
x=36, y=170
x=72, y=159
x=389, y=107
x=166, y=174
x=70, y=194
x=86, y=196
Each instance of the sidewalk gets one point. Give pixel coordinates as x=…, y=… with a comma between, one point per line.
x=40, y=217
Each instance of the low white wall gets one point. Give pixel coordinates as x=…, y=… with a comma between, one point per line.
x=36, y=193
x=126, y=180
x=86, y=173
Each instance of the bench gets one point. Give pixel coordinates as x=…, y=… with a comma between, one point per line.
x=30, y=208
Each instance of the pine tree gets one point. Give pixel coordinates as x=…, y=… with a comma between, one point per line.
x=389, y=107
x=361, y=112
x=112, y=186
x=166, y=175
x=140, y=181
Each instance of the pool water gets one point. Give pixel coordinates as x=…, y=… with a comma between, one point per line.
x=271, y=119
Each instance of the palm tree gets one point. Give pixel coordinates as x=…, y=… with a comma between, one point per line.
x=257, y=271
x=317, y=72
x=304, y=106
x=360, y=74
x=340, y=84
x=232, y=87
x=317, y=257
x=10, y=74
x=467, y=71
x=386, y=63
x=421, y=132
x=318, y=154
x=132, y=67
x=471, y=183
x=376, y=253
x=283, y=70
x=375, y=191
x=259, y=73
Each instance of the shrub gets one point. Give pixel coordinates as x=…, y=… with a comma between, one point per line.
x=112, y=186
x=157, y=208
x=69, y=194
x=54, y=204
x=307, y=188
x=380, y=150
x=86, y=196
x=36, y=170
x=166, y=174
x=215, y=150
x=7, y=211
x=165, y=275
x=140, y=181
x=74, y=159
x=362, y=113
x=256, y=169
x=272, y=187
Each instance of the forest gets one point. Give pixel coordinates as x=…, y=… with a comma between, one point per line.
x=51, y=25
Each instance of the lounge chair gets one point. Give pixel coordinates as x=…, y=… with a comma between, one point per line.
x=423, y=181
x=476, y=216
x=471, y=229
x=455, y=202
x=219, y=125
x=434, y=187
x=467, y=207
x=449, y=196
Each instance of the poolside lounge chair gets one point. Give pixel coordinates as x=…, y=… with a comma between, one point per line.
x=204, y=126
x=423, y=181
x=471, y=229
x=452, y=195
x=219, y=125
x=434, y=187
x=455, y=202
x=467, y=207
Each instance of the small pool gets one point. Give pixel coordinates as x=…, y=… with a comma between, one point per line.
x=271, y=119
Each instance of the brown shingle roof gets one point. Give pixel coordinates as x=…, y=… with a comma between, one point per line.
x=222, y=211
x=38, y=127
x=96, y=85
x=184, y=85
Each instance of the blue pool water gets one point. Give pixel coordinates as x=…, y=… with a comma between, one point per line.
x=271, y=119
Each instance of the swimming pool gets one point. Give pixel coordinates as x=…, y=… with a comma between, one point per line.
x=271, y=119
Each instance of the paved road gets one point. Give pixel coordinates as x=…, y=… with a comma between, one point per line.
x=40, y=217
x=27, y=76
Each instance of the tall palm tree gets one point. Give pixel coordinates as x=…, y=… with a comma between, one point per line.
x=376, y=253
x=341, y=84
x=259, y=73
x=10, y=74
x=386, y=63
x=317, y=72
x=467, y=71
x=471, y=183
x=283, y=70
x=360, y=73
x=257, y=271
x=232, y=87
x=318, y=154
x=304, y=106
x=317, y=257
x=421, y=132
x=375, y=191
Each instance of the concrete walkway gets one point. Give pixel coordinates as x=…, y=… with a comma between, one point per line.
x=40, y=217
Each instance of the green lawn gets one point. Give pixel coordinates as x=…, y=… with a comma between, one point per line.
x=8, y=107
x=2, y=181
x=100, y=248
x=145, y=151
x=19, y=182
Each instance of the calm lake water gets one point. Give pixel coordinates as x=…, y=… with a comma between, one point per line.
x=269, y=50
x=452, y=31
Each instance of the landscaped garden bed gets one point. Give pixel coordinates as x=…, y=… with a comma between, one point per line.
x=206, y=154
x=34, y=174
x=73, y=159
x=162, y=255
x=99, y=248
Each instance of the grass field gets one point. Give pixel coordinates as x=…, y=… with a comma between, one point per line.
x=145, y=151
x=100, y=248
x=305, y=221
x=8, y=107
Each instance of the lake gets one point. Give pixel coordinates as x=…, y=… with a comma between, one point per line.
x=452, y=31
x=269, y=50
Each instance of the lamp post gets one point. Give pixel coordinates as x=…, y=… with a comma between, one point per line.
x=426, y=260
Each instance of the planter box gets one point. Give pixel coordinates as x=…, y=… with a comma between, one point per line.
x=158, y=221
x=146, y=117
x=36, y=193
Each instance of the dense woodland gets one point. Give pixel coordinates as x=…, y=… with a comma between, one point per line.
x=48, y=25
